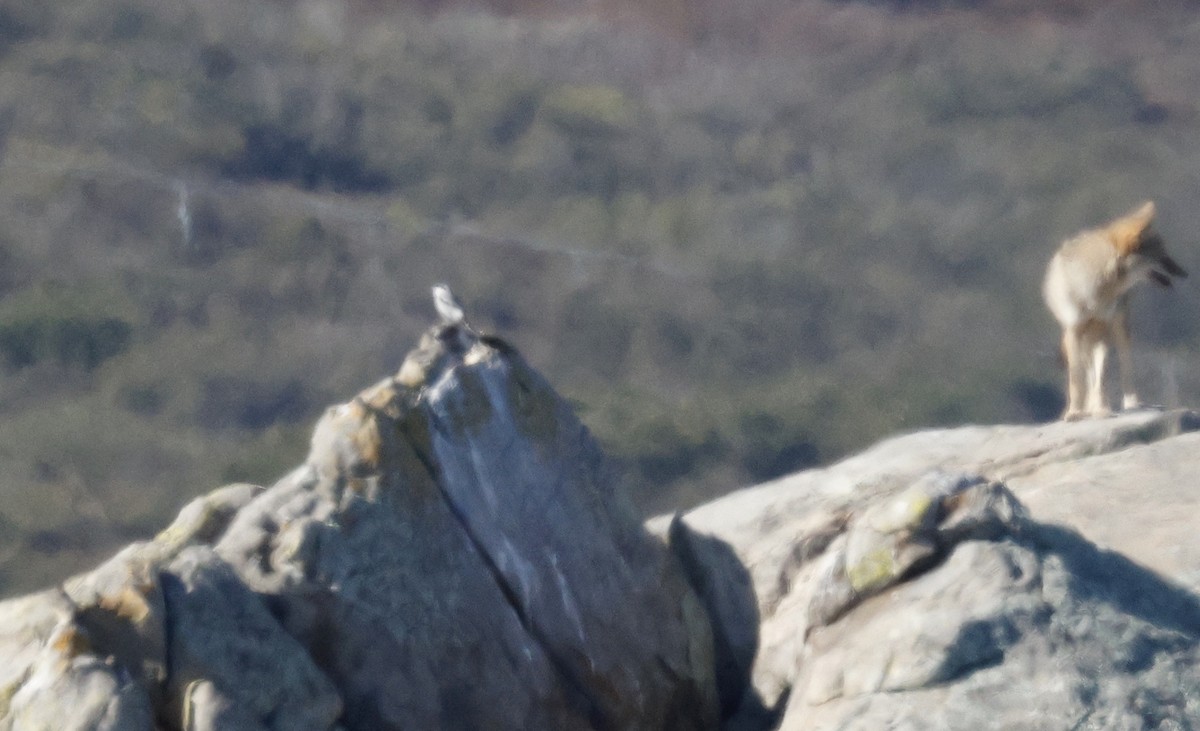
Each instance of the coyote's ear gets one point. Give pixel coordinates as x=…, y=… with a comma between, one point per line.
x=1143, y=215
x=1127, y=230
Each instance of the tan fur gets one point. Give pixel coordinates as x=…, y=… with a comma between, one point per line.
x=1087, y=288
x=1126, y=232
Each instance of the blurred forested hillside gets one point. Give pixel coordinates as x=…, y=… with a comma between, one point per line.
x=743, y=237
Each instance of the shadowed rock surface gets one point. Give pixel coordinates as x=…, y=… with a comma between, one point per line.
x=455, y=553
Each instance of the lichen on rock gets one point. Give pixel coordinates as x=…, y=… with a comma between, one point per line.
x=910, y=587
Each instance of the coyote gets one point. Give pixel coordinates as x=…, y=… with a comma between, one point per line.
x=1087, y=288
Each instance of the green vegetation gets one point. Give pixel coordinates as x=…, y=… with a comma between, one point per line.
x=742, y=240
x=53, y=323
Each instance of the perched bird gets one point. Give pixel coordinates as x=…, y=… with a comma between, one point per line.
x=448, y=307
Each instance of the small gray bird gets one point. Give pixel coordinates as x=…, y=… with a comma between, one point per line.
x=448, y=307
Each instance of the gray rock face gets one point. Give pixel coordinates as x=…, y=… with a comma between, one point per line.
x=909, y=588
x=455, y=553
x=220, y=633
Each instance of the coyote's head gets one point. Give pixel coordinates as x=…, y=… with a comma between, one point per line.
x=1141, y=249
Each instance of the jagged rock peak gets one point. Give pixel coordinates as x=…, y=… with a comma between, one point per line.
x=455, y=552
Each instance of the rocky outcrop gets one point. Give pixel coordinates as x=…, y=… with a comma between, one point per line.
x=454, y=553
x=913, y=587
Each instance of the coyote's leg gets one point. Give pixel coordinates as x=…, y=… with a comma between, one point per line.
x=1097, y=346
x=1076, y=372
x=1120, y=336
